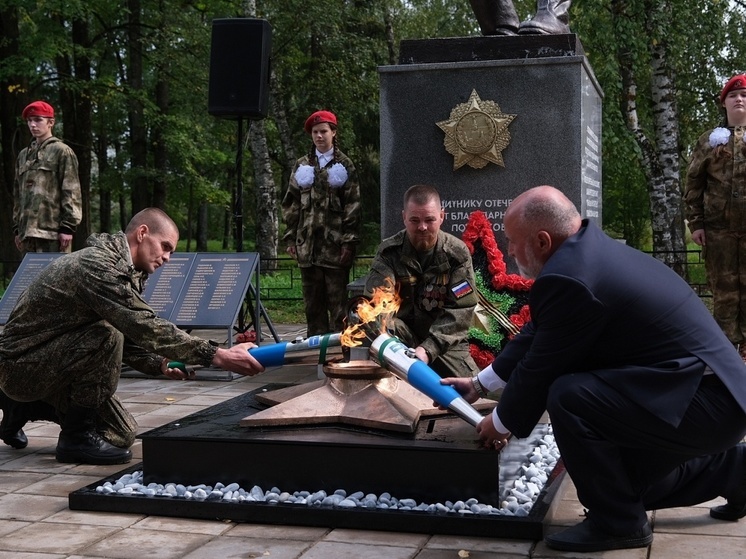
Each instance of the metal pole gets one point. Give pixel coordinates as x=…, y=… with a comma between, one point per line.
x=238, y=210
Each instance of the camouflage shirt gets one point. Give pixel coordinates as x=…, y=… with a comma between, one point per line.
x=438, y=301
x=98, y=283
x=46, y=192
x=322, y=216
x=715, y=196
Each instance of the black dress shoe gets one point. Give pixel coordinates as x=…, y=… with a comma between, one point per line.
x=730, y=511
x=17, y=440
x=583, y=538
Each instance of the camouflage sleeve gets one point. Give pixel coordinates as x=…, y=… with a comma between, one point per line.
x=452, y=326
x=17, y=193
x=141, y=359
x=352, y=206
x=109, y=292
x=380, y=271
x=291, y=209
x=696, y=182
x=71, y=206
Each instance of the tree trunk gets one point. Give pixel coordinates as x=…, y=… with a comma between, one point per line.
x=140, y=195
x=279, y=116
x=265, y=215
x=12, y=136
x=666, y=198
x=202, y=226
x=659, y=164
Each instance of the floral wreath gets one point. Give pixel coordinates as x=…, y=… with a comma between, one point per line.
x=503, y=298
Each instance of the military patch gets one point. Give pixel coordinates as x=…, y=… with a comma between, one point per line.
x=462, y=289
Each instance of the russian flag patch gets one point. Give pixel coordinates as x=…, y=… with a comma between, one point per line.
x=462, y=289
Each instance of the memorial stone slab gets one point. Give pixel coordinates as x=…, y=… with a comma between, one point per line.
x=535, y=98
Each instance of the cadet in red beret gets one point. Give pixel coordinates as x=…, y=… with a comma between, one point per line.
x=715, y=208
x=321, y=210
x=47, y=204
x=38, y=108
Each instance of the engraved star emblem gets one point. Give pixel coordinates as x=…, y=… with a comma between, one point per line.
x=476, y=133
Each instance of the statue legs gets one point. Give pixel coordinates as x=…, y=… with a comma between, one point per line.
x=551, y=17
x=496, y=17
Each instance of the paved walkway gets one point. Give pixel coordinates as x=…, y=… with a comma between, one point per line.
x=35, y=522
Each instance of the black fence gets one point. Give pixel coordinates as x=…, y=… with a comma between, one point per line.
x=280, y=277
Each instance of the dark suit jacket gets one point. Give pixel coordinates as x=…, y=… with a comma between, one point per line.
x=600, y=306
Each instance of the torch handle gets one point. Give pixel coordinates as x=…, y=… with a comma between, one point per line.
x=424, y=379
x=272, y=355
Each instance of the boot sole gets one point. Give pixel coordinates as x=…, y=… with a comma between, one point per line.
x=78, y=458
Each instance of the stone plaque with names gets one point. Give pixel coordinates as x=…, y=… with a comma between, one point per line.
x=201, y=290
x=32, y=264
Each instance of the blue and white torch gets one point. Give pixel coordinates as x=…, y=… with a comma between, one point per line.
x=392, y=354
x=275, y=355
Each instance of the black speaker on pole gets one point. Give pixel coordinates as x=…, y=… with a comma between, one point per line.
x=239, y=68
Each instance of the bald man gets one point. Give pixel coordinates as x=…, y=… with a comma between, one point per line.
x=646, y=395
x=62, y=349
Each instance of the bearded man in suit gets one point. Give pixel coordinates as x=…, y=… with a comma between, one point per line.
x=646, y=395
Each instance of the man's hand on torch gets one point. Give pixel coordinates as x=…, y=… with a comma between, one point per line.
x=237, y=359
x=463, y=386
x=491, y=437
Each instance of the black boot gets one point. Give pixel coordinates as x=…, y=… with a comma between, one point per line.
x=11, y=427
x=79, y=443
x=551, y=18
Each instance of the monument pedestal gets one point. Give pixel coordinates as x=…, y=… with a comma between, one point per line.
x=554, y=137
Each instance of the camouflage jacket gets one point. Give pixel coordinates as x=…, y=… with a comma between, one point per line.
x=322, y=217
x=46, y=192
x=97, y=283
x=715, y=196
x=437, y=302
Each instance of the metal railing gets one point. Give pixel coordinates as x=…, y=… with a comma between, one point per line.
x=280, y=277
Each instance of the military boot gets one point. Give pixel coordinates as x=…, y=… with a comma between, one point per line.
x=79, y=443
x=11, y=427
x=496, y=17
x=551, y=18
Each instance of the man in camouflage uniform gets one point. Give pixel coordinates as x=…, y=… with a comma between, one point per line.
x=715, y=209
x=63, y=346
x=322, y=212
x=46, y=190
x=433, y=274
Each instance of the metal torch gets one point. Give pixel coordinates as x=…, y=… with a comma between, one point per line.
x=392, y=354
x=276, y=355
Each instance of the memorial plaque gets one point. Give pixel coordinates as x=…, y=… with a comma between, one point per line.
x=32, y=264
x=164, y=286
x=214, y=289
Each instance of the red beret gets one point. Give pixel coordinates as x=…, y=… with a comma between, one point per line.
x=38, y=108
x=736, y=82
x=317, y=118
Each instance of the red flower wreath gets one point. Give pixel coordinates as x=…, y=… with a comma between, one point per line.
x=490, y=263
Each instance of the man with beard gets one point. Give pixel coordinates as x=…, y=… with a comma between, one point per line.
x=646, y=395
x=433, y=274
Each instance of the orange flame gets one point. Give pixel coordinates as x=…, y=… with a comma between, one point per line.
x=373, y=314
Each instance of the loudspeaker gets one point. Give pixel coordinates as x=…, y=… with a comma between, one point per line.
x=239, y=68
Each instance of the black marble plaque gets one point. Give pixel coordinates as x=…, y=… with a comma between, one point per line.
x=32, y=264
x=201, y=290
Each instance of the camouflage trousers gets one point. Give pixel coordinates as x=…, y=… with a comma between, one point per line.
x=80, y=367
x=31, y=244
x=325, y=297
x=725, y=263
x=456, y=362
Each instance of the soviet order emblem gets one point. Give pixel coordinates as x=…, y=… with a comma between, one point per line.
x=476, y=133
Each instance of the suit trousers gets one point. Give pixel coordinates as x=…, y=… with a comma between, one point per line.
x=624, y=460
